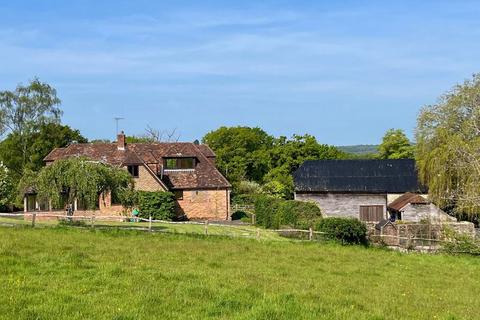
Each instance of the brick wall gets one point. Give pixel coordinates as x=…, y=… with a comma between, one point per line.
x=205, y=204
x=146, y=182
x=343, y=204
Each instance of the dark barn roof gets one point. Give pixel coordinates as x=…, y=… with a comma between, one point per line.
x=359, y=176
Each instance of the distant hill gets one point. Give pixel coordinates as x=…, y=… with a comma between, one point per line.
x=360, y=149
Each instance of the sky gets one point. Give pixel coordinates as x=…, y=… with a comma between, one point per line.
x=344, y=71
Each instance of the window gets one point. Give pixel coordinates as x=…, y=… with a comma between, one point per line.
x=371, y=213
x=178, y=194
x=179, y=163
x=133, y=170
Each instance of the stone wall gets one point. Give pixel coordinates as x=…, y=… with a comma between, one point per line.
x=343, y=204
x=205, y=204
x=430, y=212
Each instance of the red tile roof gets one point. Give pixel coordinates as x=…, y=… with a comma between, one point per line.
x=405, y=199
x=204, y=176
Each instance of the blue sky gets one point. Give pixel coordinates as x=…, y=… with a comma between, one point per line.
x=344, y=71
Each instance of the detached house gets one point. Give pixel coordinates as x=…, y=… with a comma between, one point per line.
x=186, y=169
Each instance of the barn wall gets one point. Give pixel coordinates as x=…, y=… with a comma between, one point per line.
x=419, y=212
x=343, y=204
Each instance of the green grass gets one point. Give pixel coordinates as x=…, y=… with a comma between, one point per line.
x=59, y=273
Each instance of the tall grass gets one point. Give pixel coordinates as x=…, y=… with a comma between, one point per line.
x=81, y=274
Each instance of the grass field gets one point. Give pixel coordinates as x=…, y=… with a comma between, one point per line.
x=59, y=273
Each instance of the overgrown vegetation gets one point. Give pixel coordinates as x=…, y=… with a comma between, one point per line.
x=275, y=213
x=79, y=274
x=159, y=205
x=344, y=230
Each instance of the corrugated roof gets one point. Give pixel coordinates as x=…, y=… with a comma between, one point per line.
x=365, y=176
x=407, y=198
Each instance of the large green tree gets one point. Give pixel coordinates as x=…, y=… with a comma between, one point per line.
x=448, y=148
x=26, y=108
x=6, y=187
x=396, y=145
x=40, y=141
x=76, y=178
x=242, y=152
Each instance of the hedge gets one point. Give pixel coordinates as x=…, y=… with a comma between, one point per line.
x=345, y=230
x=274, y=213
x=159, y=205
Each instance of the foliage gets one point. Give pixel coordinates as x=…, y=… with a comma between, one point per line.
x=26, y=108
x=159, y=205
x=459, y=243
x=298, y=214
x=40, y=142
x=284, y=279
x=7, y=190
x=274, y=213
x=76, y=178
x=360, y=150
x=395, y=145
x=345, y=230
x=128, y=197
x=248, y=187
x=448, y=148
x=245, y=153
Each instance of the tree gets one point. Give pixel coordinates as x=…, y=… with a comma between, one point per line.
x=40, y=142
x=23, y=110
x=242, y=152
x=448, y=148
x=395, y=145
x=7, y=190
x=76, y=178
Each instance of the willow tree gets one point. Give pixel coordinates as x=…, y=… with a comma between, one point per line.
x=77, y=178
x=448, y=148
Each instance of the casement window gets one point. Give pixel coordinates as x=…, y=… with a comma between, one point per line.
x=179, y=163
x=178, y=194
x=371, y=213
x=133, y=170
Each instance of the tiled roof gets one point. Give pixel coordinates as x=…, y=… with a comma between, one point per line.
x=205, y=175
x=407, y=198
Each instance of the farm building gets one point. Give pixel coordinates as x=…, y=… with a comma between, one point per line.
x=413, y=207
x=356, y=188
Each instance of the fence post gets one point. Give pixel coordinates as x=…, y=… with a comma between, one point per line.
x=150, y=223
x=253, y=219
x=34, y=217
x=310, y=234
x=258, y=234
x=92, y=221
x=206, y=227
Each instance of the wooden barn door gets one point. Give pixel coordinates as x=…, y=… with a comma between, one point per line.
x=371, y=213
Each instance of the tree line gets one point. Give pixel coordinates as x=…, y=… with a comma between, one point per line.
x=447, y=147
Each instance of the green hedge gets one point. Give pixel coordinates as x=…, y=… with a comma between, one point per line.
x=159, y=205
x=274, y=213
x=345, y=230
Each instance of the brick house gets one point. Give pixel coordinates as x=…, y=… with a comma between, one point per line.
x=186, y=169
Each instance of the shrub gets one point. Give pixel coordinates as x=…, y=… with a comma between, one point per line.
x=298, y=214
x=346, y=230
x=265, y=210
x=159, y=205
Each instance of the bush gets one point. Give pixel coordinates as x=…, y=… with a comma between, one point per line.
x=298, y=214
x=159, y=205
x=346, y=230
x=265, y=210
x=275, y=213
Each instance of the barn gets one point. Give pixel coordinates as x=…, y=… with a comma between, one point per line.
x=356, y=188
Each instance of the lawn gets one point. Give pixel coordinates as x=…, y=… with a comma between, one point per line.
x=59, y=273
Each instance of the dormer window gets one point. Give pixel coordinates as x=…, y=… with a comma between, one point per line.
x=133, y=170
x=179, y=163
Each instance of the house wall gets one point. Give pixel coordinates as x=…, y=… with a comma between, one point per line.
x=343, y=204
x=205, y=204
x=146, y=182
x=419, y=212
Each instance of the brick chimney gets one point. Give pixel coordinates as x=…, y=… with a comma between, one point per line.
x=121, y=141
